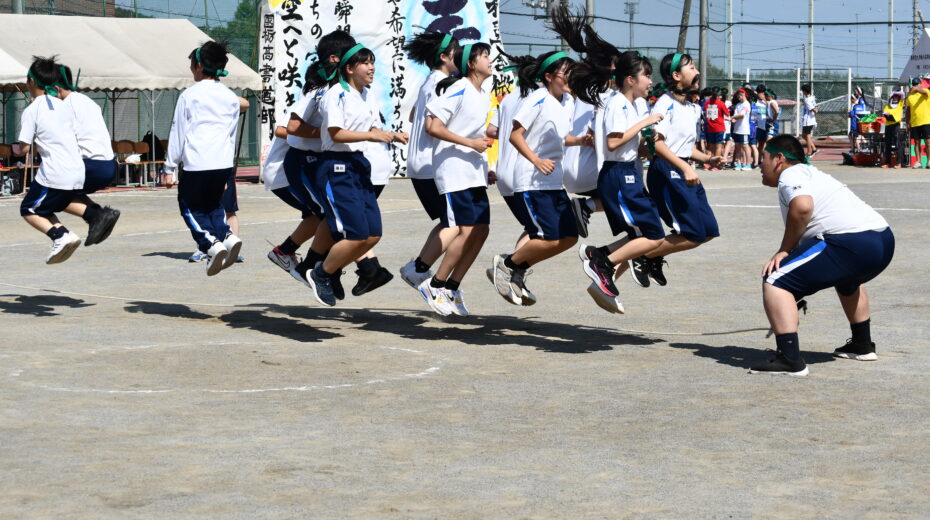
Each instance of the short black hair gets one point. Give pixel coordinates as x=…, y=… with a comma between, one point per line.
x=806, y=88
x=213, y=57
x=44, y=71
x=790, y=144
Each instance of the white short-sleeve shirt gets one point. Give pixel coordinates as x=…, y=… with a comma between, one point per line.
x=808, y=117
x=678, y=124
x=273, y=168
x=90, y=128
x=579, y=165
x=620, y=115
x=837, y=209
x=506, y=154
x=49, y=124
x=742, y=125
x=463, y=109
x=547, y=121
x=349, y=110
x=421, y=145
x=307, y=109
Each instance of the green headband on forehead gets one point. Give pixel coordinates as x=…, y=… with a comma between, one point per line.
x=49, y=89
x=345, y=59
x=466, y=53
x=218, y=72
x=676, y=61
x=788, y=155
x=549, y=61
x=446, y=40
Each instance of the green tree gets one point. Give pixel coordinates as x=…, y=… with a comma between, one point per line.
x=241, y=32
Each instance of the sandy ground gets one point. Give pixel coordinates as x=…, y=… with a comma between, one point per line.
x=133, y=386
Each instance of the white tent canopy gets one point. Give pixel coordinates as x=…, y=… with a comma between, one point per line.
x=919, y=63
x=111, y=53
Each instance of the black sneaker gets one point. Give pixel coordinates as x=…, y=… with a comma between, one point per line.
x=639, y=266
x=518, y=281
x=336, y=280
x=857, y=351
x=603, y=277
x=102, y=226
x=582, y=215
x=322, y=285
x=364, y=285
x=781, y=365
x=655, y=270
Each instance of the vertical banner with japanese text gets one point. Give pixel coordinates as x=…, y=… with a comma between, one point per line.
x=290, y=30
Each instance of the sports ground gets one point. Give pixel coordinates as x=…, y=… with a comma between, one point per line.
x=134, y=386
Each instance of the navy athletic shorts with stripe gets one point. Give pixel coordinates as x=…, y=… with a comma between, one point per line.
x=468, y=207
x=98, y=174
x=844, y=261
x=230, y=199
x=430, y=199
x=299, y=168
x=42, y=200
x=627, y=205
x=546, y=214
x=514, y=204
x=285, y=195
x=683, y=208
x=344, y=181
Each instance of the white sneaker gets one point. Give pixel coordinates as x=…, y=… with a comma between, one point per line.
x=232, y=244
x=501, y=281
x=436, y=298
x=518, y=284
x=458, y=302
x=63, y=248
x=287, y=262
x=611, y=305
x=409, y=274
x=216, y=258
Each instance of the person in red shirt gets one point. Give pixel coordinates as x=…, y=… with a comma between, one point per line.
x=715, y=115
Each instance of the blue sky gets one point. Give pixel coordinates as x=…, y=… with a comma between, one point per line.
x=865, y=49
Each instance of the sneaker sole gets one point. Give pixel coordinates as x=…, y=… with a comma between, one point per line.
x=528, y=300
x=65, y=253
x=511, y=297
x=581, y=252
x=218, y=261
x=597, y=280
x=597, y=296
x=233, y=255
x=871, y=356
x=802, y=373
x=490, y=274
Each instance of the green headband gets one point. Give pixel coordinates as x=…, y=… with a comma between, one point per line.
x=510, y=68
x=49, y=89
x=466, y=53
x=676, y=61
x=548, y=63
x=218, y=72
x=446, y=40
x=63, y=83
x=788, y=155
x=345, y=59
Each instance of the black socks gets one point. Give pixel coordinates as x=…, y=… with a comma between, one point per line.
x=510, y=264
x=420, y=266
x=789, y=345
x=57, y=232
x=92, y=213
x=368, y=267
x=309, y=262
x=861, y=332
x=452, y=285
x=288, y=247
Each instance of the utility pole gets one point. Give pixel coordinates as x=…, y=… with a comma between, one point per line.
x=631, y=9
x=810, y=42
x=703, y=50
x=17, y=6
x=589, y=11
x=890, y=39
x=206, y=15
x=553, y=5
x=730, y=45
x=685, y=18
x=914, y=12
x=135, y=9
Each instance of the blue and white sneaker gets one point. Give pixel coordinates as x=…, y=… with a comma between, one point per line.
x=198, y=256
x=322, y=285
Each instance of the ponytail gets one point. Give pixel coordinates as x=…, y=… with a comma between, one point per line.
x=525, y=71
x=427, y=48
x=473, y=50
x=672, y=63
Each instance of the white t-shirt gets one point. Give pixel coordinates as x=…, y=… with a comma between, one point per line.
x=463, y=109
x=620, y=115
x=203, y=132
x=742, y=124
x=506, y=153
x=678, y=124
x=349, y=110
x=49, y=124
x=307, y=109
x=421, y=145
x=836, y=208
x=273, y=169
x=580, y=164
x=91, y=130
x=808, y=117
x=547, y=121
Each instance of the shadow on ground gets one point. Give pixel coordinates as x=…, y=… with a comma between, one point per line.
x=170, y=254
x=291, y=322
x=42, y=305
x=742, y=357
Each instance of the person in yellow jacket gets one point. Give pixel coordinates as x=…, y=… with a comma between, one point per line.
x=918, y=120
x=894, y=114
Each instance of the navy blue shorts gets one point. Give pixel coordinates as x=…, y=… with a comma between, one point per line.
x=299, y=168
x=42, y=200
x=349, y=201
x=430, y=199
x=514, y=205
x=230, y=200
x=626, y=203
x=761, y=135
x=741, y=138
x=468, y=207
x=546, y=214
x=752, y=137
x=285, y=195
x=714, y=137
x=683, y=208
x=98, y=174
x=844, y=261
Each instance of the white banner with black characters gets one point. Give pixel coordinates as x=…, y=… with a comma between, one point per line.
x=292, y=28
